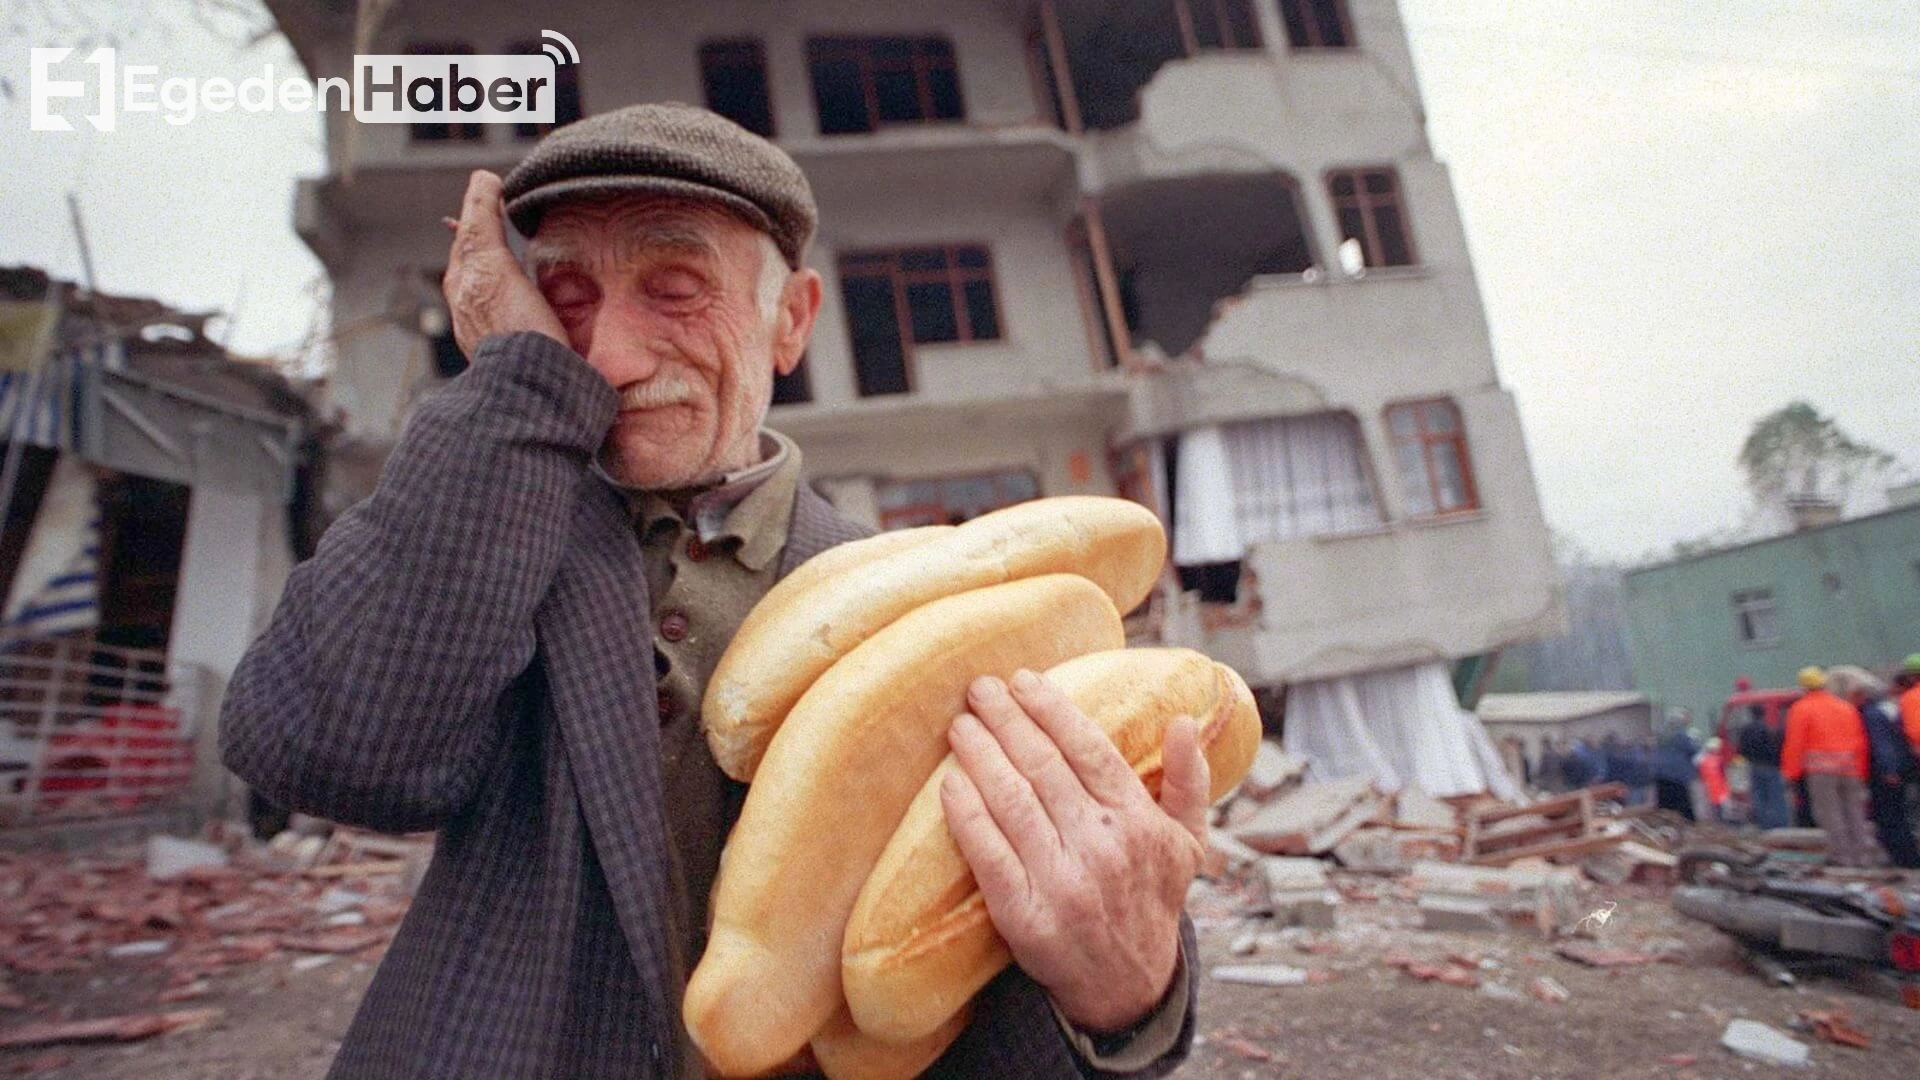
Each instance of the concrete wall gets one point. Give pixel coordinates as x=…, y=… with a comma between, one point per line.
x=1844, y=594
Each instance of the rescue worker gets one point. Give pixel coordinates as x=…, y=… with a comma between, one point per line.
x=1908, y=683
x=1827, y=744
x=1712, y=764
x=1888, y=756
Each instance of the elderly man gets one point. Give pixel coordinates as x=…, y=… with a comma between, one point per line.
x=509, y=640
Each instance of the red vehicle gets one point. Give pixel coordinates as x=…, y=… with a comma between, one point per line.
x=1744, y=706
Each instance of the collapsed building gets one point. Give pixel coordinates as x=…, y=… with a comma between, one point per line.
x=153, y=489
x=1197, y=253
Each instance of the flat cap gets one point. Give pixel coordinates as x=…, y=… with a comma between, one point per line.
x=667, y=149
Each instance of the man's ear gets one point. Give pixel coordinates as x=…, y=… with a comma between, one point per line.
x=799, y=306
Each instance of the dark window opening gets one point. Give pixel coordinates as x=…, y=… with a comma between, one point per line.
x=862, y=84
x=916, y=296
x=1217, y=583
x=443, y=132
x=566, y=94
x=734, y=73
x=1756, y=621
x=793, y=388
x=1371, y=211
x=1317, y=24
x=143, y=526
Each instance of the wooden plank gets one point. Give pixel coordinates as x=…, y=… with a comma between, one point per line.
x=1555, y=805
x=1062, y=74
x=1577, y=846
x=1108, y=283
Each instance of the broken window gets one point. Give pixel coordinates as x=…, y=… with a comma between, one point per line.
x=735, y=75
x=1221, y=24
x=861, y=84
x=795, y=387
x=915, y=296
x=1756, y=622
x=951, y=500
x=1368, y=204
x=143, y=529
x=1317, y=24
x=566, y=94
x=442, y=132
x=1430, y=449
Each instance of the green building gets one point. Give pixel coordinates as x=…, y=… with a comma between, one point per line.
x=1845, y=593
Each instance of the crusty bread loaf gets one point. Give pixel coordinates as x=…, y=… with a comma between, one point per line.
x=919, y=942
x=787, y=641
x=844, y=1052
x=850, y=556
x=835, y=781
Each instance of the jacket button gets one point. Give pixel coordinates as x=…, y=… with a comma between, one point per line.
x=669, y=708
x=697, y=549
x=673, y=626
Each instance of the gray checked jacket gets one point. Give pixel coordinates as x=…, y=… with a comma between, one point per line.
x=467, y=652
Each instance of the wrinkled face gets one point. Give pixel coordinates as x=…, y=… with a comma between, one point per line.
x=688, y=312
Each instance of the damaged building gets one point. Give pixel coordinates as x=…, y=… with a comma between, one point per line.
x=1197, y=253
x=151, y=492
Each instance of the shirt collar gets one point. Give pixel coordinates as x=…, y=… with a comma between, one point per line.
x=753, y=505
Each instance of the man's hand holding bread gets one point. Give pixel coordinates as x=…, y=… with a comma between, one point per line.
x=1084, y=874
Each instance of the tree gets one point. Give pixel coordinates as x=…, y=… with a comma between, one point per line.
x=1795, y=453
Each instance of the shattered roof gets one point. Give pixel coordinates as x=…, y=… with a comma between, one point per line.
x=1556, y=706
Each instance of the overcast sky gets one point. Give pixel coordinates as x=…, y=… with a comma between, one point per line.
x=1682, y=217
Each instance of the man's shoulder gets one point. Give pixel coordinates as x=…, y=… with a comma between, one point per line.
x=817, y=526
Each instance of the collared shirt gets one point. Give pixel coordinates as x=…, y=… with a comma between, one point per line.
x=710, y=555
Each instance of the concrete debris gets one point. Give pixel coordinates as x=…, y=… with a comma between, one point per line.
x=1413, y=808
x=1273, y=769
x=169, y=857
x=1312, y=818
x=1755, y=1041
x=1501, y=992
x=136, y=949
x=1564, y=825
x=1794, y=839
x=1632, y=861
x=1549, y=990
x=1297, y=893
x=1262, y=975
x=1459, y=914
x=1394, y=850
x=1226, y=855
x=1547, y=898
x=1591, y=955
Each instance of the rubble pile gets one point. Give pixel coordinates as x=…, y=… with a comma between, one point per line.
x=195, y=909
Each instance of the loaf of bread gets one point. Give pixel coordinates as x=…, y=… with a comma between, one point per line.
x=851, y=555
x=788, y=641
x=835, y=781
x=844, y=1052
x=919, y=942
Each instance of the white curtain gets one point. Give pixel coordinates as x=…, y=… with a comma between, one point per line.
x=1249, y=483
x=1400, y=726
x=1301, y=476
x=1206, y=527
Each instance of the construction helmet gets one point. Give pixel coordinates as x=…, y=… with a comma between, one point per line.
x=1812, y=678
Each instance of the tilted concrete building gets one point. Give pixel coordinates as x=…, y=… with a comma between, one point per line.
x=1195, y=252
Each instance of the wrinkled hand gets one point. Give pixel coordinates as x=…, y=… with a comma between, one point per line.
x=1084, y=875
x=487, y=291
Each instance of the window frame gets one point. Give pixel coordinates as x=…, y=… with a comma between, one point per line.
x=1187, y=12
x=758, y=48
x=1313, y=25
x=1369, y=205
x=1427, y=439
x=861, y=49
x=868, y=262
x=1744, y=603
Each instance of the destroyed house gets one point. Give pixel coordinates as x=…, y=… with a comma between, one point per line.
x=1197, y=253
x=151, y=489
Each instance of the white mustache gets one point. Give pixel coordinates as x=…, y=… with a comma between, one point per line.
x=656, y=393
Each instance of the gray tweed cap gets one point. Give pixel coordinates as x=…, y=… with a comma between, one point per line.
x=667, y=149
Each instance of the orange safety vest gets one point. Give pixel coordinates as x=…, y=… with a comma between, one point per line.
x=1910, y=715
x=1825, y=736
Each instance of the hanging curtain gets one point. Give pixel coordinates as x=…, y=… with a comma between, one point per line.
x=1206, y=526
x=1300, y=476
x=1400, y=726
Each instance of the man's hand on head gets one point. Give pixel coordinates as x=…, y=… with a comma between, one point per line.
x=487, y=290
x=1083, y=873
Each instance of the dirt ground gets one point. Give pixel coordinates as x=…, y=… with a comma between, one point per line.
x=1368, y=1019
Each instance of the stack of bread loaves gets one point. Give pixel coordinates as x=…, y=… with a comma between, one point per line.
x=845, y=921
